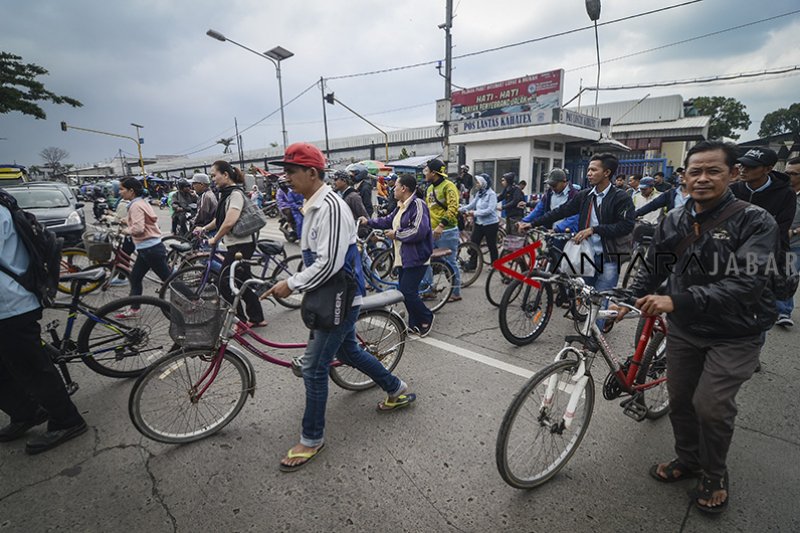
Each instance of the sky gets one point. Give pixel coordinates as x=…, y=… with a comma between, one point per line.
x=151, y=62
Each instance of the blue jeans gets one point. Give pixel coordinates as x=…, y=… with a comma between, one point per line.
x=785, y=307
x=322, y=347
x=449, y=239
x=409, y=286
x=603, y=281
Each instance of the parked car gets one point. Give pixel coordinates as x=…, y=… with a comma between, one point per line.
x=12, y=175
x=54, y=206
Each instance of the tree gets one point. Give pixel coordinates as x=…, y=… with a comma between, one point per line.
x=19, y=90
x=53, y=157
x=727, y=115
x=781, y=121
x=227, y=144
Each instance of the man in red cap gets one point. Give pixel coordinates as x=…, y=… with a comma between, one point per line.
x=328, y=246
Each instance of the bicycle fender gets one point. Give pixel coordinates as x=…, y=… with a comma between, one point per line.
x=251, y=373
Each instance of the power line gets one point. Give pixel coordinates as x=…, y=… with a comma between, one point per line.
x=339, y=119
x=684, y=41
x=503, y=47
x=709, y=79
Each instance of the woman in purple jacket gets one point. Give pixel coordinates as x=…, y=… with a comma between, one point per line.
x=409, y=226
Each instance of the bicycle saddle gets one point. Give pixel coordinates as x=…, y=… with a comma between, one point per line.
x=92, y=274
x=381, y=299
x=270, y=247
x=180, y=246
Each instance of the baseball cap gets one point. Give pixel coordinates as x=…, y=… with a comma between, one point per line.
x=556, y=176
x=759, y=157
x=200, y=178
x=436, y=166
x=391, y=177
x=303, y=155
x=646, y=181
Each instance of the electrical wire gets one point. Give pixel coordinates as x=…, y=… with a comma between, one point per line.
x=708, y=79
x=511, y=45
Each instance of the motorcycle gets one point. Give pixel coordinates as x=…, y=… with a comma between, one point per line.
x=288, y=231
x=99, y=207
x=183, y=218
x=271, y=209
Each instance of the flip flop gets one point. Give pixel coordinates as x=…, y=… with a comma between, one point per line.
x=261, y=324
x=404, y=400
x=671, y=469
x=308, y=456
x=454, y=299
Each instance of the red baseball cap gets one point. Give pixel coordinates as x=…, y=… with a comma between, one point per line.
x=302, y=155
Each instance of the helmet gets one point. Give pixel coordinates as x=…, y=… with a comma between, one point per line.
x=391, y=177
x=342, y=175
x=183, y=183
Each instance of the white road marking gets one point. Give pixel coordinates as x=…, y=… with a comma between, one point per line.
x=469, y=354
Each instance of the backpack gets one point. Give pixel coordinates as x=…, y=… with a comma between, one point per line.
x=44, y=251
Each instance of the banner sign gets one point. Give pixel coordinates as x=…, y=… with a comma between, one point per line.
x=578, y=119
x=507, y=104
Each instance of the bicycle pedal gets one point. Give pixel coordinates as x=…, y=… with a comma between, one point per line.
x=634, y=409
x=72, y=388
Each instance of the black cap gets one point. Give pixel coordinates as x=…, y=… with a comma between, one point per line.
x=759, y=157
x=436, y=166
x=556, y=175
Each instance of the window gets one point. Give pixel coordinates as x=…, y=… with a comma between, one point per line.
x=541, y=145
x=558, y=163
x=496, y=168
x=558, y=147
x=540, y=170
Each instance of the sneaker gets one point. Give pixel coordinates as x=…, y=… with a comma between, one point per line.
x=130, y=313
x=785, y=321
x=423, y=331
x=118, y=282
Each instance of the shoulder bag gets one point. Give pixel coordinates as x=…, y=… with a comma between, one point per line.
x=251, y=219
x=327, y=306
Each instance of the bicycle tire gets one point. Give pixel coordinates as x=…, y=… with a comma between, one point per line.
x=654, y=366
x=382, y=270
x=465, y=254
x=546, y=432
x=496, y=282
x=142, y=340
x=284, y=269
x=74, y=260
x=441, y=288
x=167, y=386
x=525, y=312
x=382, y=334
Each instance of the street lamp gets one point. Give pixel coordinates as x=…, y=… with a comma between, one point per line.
x=275, y=56
x=139, y=145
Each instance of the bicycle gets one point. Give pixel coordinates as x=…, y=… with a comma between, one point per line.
x=177, y=389
x=548, y=418
x=469, y=254
x=112, y=347
x=496, y=281
x=524, y=310
x=642, y=238
x=269, y=254
x=379, y=274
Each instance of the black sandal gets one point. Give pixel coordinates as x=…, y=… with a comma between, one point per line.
x=705, y=490
x=675, y=470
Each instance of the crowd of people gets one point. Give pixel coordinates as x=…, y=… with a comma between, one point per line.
x=726, y=208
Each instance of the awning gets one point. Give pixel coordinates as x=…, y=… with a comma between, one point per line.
x=413, y=162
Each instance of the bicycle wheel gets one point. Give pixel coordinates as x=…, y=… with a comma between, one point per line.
x=162, y=404
x=525, y=312
x=382, y=334
x=497, y=282
x=285, y=268
x=74, y=260
x=534, y=443
x=436, y=294
x=469, y=252
x=190, y=275
x=123, y=347
x=383, y=271
x=654, y=366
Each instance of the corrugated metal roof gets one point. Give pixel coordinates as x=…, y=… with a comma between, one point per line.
x=681, y=123
x=655, y=109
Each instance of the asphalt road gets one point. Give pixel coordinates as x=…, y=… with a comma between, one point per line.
x=427, y=468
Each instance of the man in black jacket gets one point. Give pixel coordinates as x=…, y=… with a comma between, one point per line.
x=718, y=303
x=509, y=200
x=363, y=185
x=341, y=183
x=606, y=219
x=760, y=185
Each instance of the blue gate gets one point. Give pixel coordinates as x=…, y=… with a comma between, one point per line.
x=645, y=167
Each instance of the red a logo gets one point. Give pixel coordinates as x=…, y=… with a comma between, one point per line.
x=530, y=251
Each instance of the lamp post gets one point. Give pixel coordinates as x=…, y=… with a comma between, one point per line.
x=139, y=145
x=593, y=10
x=275, y=56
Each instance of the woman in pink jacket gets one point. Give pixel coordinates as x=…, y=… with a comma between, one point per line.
x=142, y=226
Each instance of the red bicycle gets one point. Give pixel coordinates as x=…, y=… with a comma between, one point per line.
x=196, y=391
x=547, y=420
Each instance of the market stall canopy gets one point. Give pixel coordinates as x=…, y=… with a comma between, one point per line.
x=412, y=164
x=375, y=167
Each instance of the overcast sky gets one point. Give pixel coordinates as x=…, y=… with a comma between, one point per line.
x=150, y=61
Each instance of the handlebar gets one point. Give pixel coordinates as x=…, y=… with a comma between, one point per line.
x=251, y=281
x=373, y=233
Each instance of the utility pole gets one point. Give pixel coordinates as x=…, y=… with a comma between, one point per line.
x=239, y=144
x=325, y=117
x=448, y=71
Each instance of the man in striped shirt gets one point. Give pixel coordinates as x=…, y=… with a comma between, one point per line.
x=328, y=246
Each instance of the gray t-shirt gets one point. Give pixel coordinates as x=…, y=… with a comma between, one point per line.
x=236, y=201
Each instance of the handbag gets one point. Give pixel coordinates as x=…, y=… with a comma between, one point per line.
x=327, y=306
x=578, y=259
x=251, y=220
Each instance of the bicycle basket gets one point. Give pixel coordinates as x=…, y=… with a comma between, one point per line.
x=195, y=319
x=513, y=242
x=98, y=246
